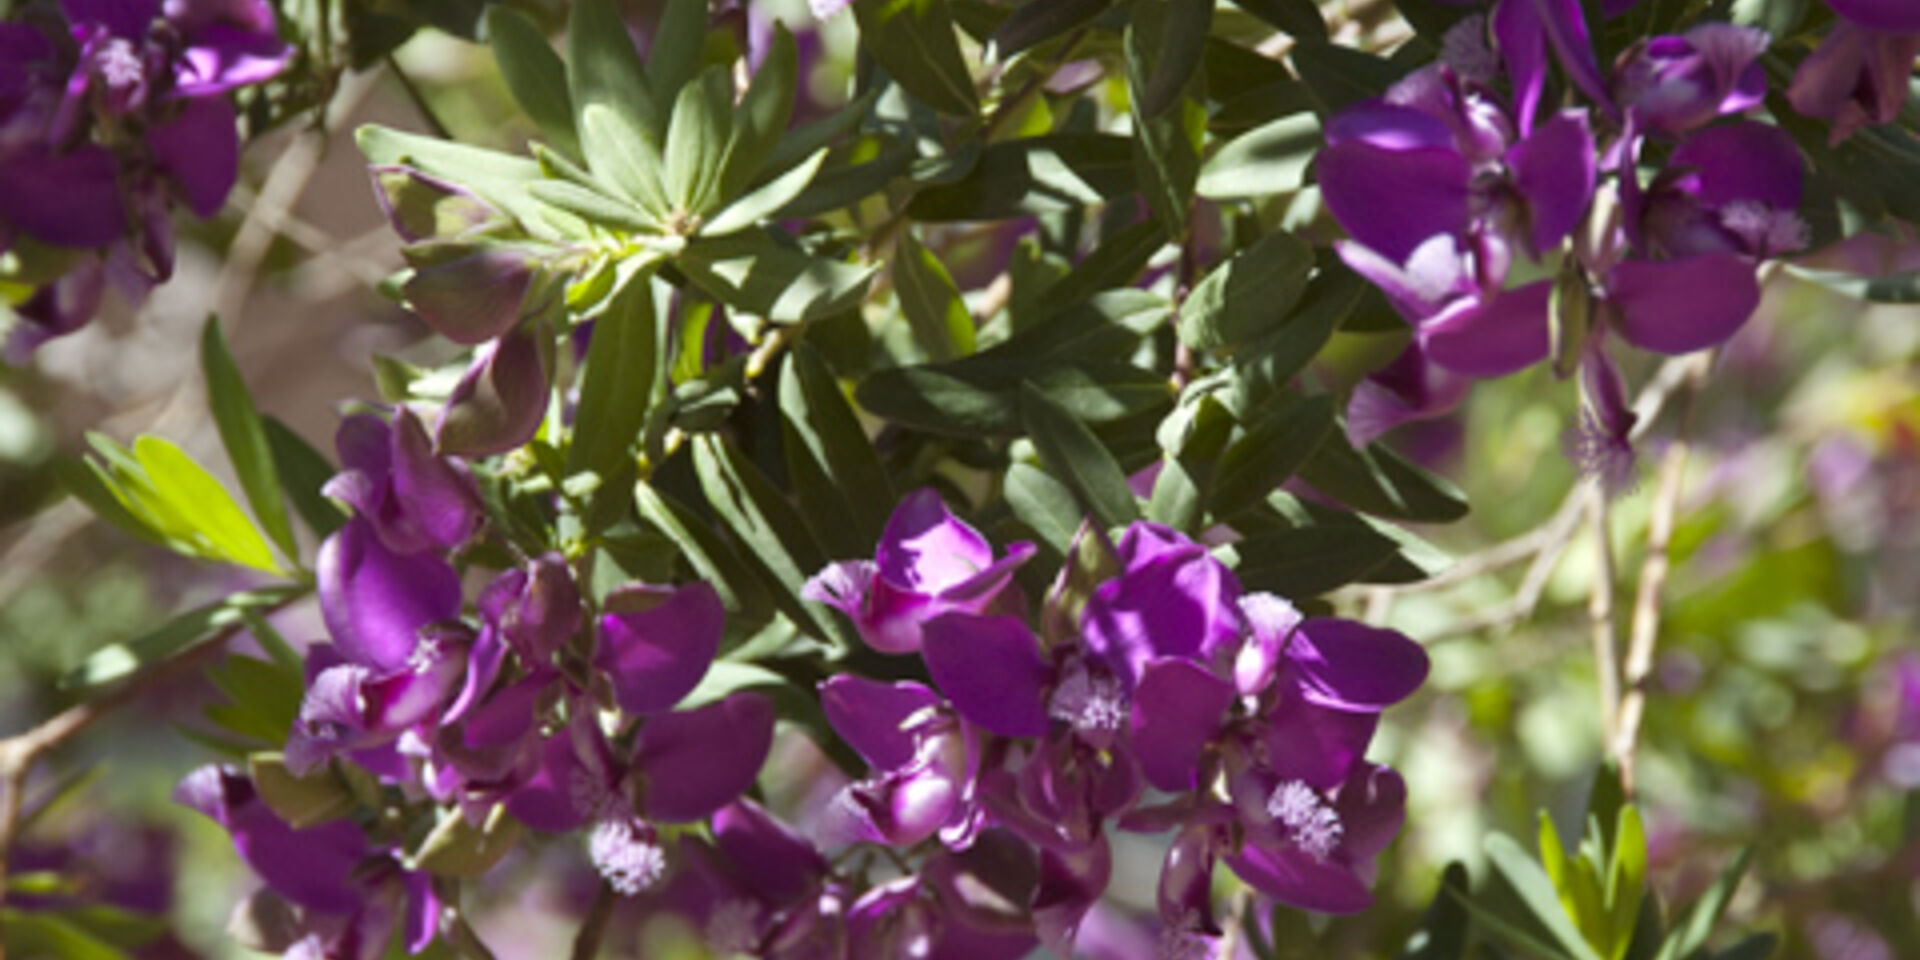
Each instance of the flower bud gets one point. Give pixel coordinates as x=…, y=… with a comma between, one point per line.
x=500, y=402
x=468, y=294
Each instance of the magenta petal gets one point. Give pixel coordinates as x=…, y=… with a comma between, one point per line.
x=1353, y=666
x=927, y=548
x=375, y=601
x=1429, y=194
x=1177, y=709
x=1554, y=169
x=1372, y=805
x=657, y=642
x=422, y=923
x=69, y=200
x=1389, y=126
x=549, y=800
x=1493, y=337
x=124, y=18
x=1896, y=16
x=437, y=501
x=312, y=867
x=1315, y=744
x=1679, y=306
x=1295, y=877
x=1565, y=25
x=1747, y=161
x=869, y=716
x=1523, y=48
x=224, y=58
x=990, y=668
x=200, y=150
x=698, y=761
x=780, y=865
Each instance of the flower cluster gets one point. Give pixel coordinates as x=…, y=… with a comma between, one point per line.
x=110, y=114
x=528, y=710
x=1162, y=699
x=1658, y=198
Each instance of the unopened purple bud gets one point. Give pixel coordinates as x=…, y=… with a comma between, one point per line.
x=468, y=294
x=423, y=208
x=499, y=403
x=537, y=607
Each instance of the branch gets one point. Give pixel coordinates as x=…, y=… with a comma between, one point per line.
x=586, y=943
x=1606, y=652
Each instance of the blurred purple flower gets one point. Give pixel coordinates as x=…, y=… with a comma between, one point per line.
x=925, y=761
x=928, y=562
x=412, y=498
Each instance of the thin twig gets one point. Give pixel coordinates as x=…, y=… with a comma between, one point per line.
x=1606, y=652
x=1645, y=631
x=593, y=929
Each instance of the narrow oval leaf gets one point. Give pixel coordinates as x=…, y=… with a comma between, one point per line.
x=981, y=395
x=762, y=202
x=914, y=40
x=939, y=318
x=244, y=437
x=1250, y=294
x=535, y=75
x=618, y=386
x=202, y=505
x=1072, y=453
x=825, y=425
x=1276, y=445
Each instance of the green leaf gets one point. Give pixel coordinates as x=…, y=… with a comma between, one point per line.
x=1073, y=454
x=763, y=202
x=1443, y=930
x=1273, y=448
x=117, y=661
x=263, y=698
x=217, y=527
x=1691, y=933
x=90, y=484
x=1180, y=492
x=914, y=40
x=303, y=472
x=981, y=394
x=1035, y=23
x=1166, y=143
x=752, y=273
x=41, y=934
x=826, y=428
x=1115, y=262
x=617, y=391
x=457, y=848
x=622, y=157
x=245, y=438
x=1248, y=295
x=1042, y=503
x=710, y=557
x=1309, y=561
x=1183, y=37
x=762, y=116
x=940, y=321
x=535, y=75
x=1626, y=881
x=301, y=801
x=697, y=139
x=1300, y=19
x=1036, y=175
x=679, y=41
x=1379, y=481
x=593, y=206
x=1269, y=159
x=1537, y=893
x=604, y=70
x=776, y=541
x=1267, y=364
x=1342, y=76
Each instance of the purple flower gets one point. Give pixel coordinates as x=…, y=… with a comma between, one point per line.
x=1672, y=84
x=758, y=888
x=928, y=563
x=344, y=896
x=413, y=499
x=375, y=601
x=535, y=607
x=1313, y=847
x=1858, y=75
x=925, y=762
x=357, y=705
x=1409, y=388
x=1171, y=599
x=657, y=642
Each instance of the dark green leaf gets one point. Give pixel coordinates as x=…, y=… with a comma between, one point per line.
x=49, y=935
x=914, y=40
x=1042, y=20
x=980, y=394
x=762, y=115
x=940, y=321
x=604, y=69
x=618, y=388
x=1183, y=37
x=457, y=847
x=1443, y=930
x=1044, y=504
x=1300, y=19
x=1271, y=450
x=752, y=273
x=1103, y=325
x=1187, y=477
x=1266, y=160
x=1248, y=295
x=827, y=429
x=1267, y=364
x=1073, y=454
x=679, y=41
x=1310, y=561
x=1381, y=482
x=1037, y=175
x=1536, y=893
x=1114, y=263
x=710, y=557
x=1691, y=932
x=534, y=74
x=1166, y=143
x=117, y=661
x=1755, y=946
x=1342, y=76
x=244, y=437
x=303, y=471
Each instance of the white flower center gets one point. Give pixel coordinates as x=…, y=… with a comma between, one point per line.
x=625, y=854
x=1089, y=703
x=1767, y=231
x=1311, y=822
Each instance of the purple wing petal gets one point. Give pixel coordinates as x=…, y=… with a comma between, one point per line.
x=990, y=668
x=698, y=761
x=200, y=150
x=223, y=58
x=1353, y=666
x=924, y=546
x=1295, y=877
x=1679, y=306
x=125, y=18
x=375, y=601
x=1896, y=16
x=869, y=714
x=1177, y=710
x=1372, y=804
x=777, y=863
x=1492, y=337
x=1429, y=194
x=437, y=500
x=657, y=642
x=1554, y=169
x=70, y=200
x=1748, y=161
